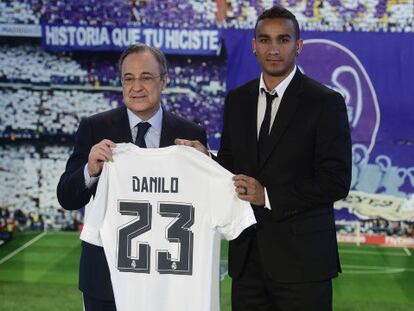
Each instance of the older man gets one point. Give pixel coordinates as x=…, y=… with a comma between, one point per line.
x=142, y=120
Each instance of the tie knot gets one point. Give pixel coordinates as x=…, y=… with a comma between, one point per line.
x=269, y=97
x=142, y=130
x=143, y=127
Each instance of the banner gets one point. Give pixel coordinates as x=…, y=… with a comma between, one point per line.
x=374, y=72
x=109, y=38
x=18, y=30
x=373, y=205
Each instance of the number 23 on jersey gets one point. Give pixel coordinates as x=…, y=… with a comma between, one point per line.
x=177, y=232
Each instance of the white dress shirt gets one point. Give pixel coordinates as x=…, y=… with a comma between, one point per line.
x=152, y=138
x=261, y=108
x=261, y=103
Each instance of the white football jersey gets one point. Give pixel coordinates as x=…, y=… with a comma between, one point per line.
x=159, y=214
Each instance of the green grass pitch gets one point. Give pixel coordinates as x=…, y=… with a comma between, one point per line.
x=44, y=276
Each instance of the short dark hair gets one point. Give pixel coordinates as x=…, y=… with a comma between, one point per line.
x=279, y=12
x=141, y=48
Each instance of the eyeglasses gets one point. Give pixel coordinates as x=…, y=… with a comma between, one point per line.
x=146, y=79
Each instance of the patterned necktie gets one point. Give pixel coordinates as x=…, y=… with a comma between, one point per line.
x=142, y=130
x=264, y=128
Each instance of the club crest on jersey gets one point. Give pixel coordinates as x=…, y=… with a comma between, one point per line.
x=155, y=184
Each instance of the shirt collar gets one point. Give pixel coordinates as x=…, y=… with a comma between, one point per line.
x=281, y=87
x=155, y=120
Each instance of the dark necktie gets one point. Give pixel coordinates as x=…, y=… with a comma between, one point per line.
x=264, y=128
x=142, y=130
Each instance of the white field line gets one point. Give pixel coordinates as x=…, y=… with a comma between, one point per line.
x=21, y=248
x=407, y=251
x=385, y=271
x=370, y=253
x=358, y=269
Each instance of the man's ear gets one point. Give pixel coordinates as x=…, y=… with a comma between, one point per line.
x=299, y=46
x=254, y=46
x=164, y=81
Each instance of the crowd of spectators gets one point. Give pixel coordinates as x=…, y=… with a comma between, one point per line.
x=44, y=95
x=28, y=179
x=19, y=177
x=193, y=13
x=54, y=104
x=33, y=114
x=15, y=220
x=61, y=111
x=8, y=225
x=378, y=226
x=47, y=101
x=20, y=12
x=324, y=15
x=31, y=64
x=329, y=15
x=196, y=91
x=368, y=15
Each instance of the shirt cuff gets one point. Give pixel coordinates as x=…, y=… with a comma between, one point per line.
x=89, y=180
x=267, y=201
x=211, y=153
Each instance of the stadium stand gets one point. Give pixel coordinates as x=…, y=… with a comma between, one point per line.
x=120, y=12
x=27, y=113
x=33, y=202
x=196, y=91
x=378, y=226
x=20, y=12
x=45, y=95
x=30, y=64
x=325, y=15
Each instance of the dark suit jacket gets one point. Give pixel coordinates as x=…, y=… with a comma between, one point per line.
x=94, y=279
x=307, y=166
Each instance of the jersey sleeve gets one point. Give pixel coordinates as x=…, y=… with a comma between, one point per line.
x=96, y=210
x=230, y=215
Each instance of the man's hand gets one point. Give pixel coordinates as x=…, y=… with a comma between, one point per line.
x=192, y=143
x=99, y=153
x=249, y=189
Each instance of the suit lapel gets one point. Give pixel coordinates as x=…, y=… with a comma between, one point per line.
x=250, y=115
x=285, y=114
x=168, y=133
x=119, y=130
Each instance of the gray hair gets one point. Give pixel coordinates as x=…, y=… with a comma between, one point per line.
x=141, y=48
